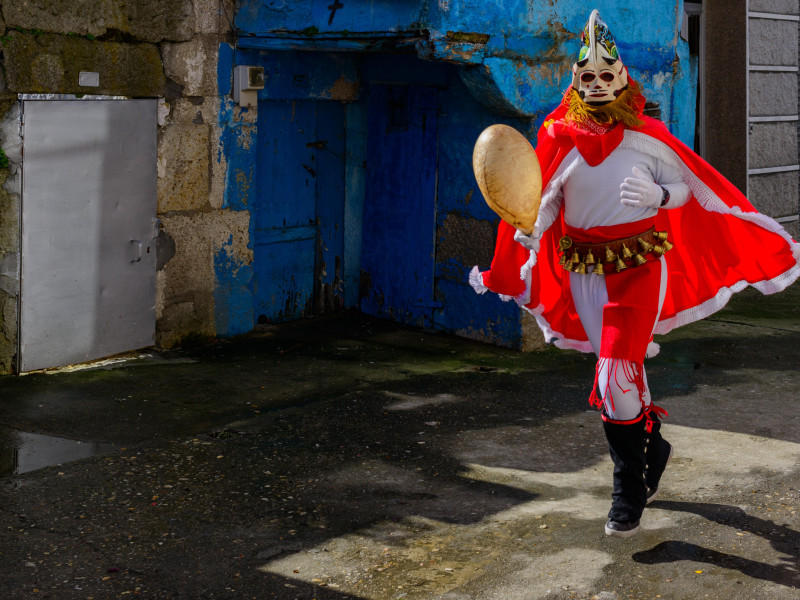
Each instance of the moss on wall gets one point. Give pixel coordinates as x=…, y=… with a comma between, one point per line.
x=143, y=20
x=49, y=63
x=9, y=219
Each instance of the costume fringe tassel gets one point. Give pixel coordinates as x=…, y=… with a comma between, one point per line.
x=633, y=373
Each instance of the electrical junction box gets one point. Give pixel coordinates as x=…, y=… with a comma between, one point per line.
x=246, y=83
x=88, y=79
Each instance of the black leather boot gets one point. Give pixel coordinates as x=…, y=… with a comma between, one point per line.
x=626, y=443
x=658, y=451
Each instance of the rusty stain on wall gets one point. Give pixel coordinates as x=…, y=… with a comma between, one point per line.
x=344, y=89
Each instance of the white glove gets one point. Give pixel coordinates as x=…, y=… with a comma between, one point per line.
x=640, y=190
x=529, y=241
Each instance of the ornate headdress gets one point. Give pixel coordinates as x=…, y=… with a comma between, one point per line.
x=601, y=91
x=598, y=76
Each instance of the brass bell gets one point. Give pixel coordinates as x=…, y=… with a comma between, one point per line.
x=625, y=252
x=620, y=265
x=589, y=260
x=563, y=260
x=598, y=269
x=661, y=236
x=640, y=260
x=610, y=256
x=646, y=246
x=576, y=258
x=667, y=245
x=568, y=266
x=581, y=268
x=659, y=250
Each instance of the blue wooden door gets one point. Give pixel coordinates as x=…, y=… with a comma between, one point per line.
x=397, y=256
x=297, y=222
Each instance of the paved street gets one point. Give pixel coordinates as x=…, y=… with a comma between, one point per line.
x=350, y=459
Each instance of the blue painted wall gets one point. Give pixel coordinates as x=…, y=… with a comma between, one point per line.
x=522, y=50
x=233, y=301
x=484, y=61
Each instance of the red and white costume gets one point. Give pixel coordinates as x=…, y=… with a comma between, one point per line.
x=721, y=245
x=611, y=196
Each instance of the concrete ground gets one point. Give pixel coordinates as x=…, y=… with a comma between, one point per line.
x=351, y=459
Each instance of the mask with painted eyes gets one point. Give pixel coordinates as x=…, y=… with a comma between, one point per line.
x=599, y=75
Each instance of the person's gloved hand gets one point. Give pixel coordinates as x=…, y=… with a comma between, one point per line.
x=529, y=241
x=640, y=190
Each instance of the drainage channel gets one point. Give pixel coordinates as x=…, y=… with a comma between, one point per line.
x=22, y=452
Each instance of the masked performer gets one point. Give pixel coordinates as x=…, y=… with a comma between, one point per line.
x=635, y=235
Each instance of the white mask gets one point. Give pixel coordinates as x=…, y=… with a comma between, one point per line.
x=599, y=75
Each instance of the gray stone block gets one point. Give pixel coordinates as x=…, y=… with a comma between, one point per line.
x=9, y=265
x=50, y=64
x=9, y=226
x=214, y=16
x=532, y=336
x=774, y=194
x=183, y=168
x=195, y=110
x=145, y=20
x=773, y=42
x=793, y=228
x=772, y=145
x=11, y=133
x=193, y=65
x=8, y=332
x=773, y=94
x=185, y=294
x=9, y=285
x=783, y=7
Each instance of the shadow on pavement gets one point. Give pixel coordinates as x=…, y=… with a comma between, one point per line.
x=782, y=538
x=259, y=451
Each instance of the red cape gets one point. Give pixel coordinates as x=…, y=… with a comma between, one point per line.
x=721, y=243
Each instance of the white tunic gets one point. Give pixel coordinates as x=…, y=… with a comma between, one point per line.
x=592, y=193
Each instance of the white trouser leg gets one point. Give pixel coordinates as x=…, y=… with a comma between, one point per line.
x=615, y=378
x=590, y=296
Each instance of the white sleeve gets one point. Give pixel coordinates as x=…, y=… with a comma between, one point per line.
x=548, y=213
x=670, y=178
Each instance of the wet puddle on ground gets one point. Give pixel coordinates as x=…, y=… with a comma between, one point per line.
x=22, y=452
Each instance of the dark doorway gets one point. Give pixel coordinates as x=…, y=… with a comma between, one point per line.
x=298, y=220
x=400, y=204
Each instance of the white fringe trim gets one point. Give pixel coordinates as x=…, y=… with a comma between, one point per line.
x=476, y=281
x=561, y=341
x=527, y=268
x=712, y=305
x=554, y=337
x=636, y=140
x=549, y=195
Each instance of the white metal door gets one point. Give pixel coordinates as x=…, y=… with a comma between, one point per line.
x=88, y=261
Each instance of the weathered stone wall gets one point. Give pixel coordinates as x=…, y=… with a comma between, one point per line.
x=10, y=178
x=773, y=135
x=141, y=49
